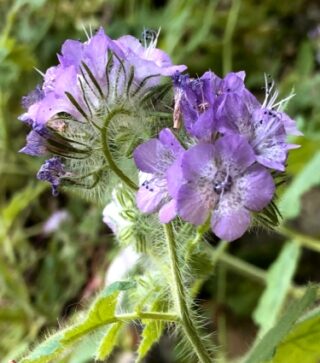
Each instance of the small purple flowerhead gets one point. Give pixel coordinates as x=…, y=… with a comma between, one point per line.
x=146, y=58
x=264, y=127
x=33, y=97
x=52, y=171
x=222, y=180
x=154, y=159
x=194, y=101
x=36, y=144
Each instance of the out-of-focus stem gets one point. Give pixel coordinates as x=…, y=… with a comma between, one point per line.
x=227, y=38
x=302, y=239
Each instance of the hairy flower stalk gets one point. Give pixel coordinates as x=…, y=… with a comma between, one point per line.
x=180, y=298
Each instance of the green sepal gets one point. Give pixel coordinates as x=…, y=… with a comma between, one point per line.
x=152, y=331
x=109, y=341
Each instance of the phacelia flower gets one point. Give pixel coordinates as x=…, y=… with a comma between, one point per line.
x=146, y=58
x=201, y=100
x=194, y=101
x=52, y=171
x=265, y=127
x=99, y=84
x=154, y=158
x=223, y=180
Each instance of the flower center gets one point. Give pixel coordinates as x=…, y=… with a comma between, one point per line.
x=222, y=183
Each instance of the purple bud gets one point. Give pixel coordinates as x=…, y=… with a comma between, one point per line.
x=52, y=171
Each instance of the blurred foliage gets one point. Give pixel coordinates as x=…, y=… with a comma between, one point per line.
x=44, y=277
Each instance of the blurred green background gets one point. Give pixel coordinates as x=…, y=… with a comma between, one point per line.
x=46, y=276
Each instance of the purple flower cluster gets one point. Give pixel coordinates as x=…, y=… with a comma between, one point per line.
x=221, y=166
x=91, y=80
x=225, y=171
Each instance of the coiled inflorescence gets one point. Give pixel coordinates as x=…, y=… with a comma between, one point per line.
x=97, y=95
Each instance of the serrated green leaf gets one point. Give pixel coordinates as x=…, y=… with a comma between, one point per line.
x=101, y=312
x=265, y=348
x=279, y=279
x=302, y=344
x=108, y=342
x=45, y=351
x=151, y=333
x=310, y=176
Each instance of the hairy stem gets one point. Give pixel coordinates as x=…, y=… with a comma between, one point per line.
x=180, y=297
x=107, y=152
x=152, y=315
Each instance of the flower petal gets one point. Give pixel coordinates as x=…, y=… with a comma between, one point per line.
x=175, y=177
x=198, y=161
x=146, y=155
x=231, y=226
x=151, y=194
x=235, y=152
x=259, y=188
x=168, y=140
x=168, y=212
x=192, y=205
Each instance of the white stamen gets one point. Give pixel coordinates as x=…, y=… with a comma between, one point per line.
x=152, y=45
x=282, y=104
x=38, y=70
x=268, y=90
x=85, y=32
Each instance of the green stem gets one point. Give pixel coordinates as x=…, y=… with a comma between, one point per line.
x=248, y=270
x=125, y=318
x=107, y=152
x=243, y=267
x=306, y=241
x=221, y=319
x=147, y=315
x=180, y=297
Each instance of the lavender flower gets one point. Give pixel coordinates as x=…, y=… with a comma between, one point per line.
x=265, y=127
x=146, y=58
x=154, y=158
x=36, y=144
x=33, y=97
x=194, y=100
x=200, y=100
x=96, y=82
x=54, y=222
x=52, y=171
x=223, y=180
x=82, y=74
